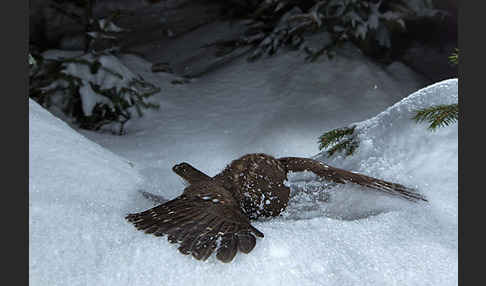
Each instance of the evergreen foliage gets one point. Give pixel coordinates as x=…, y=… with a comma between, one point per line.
x=438, y=116
x=103, y=34
x=339, y=140
x=93, y=90
x=60, y=84
x=454, y=58
x=276, y=23
x=100, y=34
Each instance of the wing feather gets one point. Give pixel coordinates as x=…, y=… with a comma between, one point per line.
x=201, y=223
x=342, y=176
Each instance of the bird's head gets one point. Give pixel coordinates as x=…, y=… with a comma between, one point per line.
x=182, y=168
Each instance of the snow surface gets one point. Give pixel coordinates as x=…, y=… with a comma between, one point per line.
x=279, y=106
x=80, y=192
x=389, y=143
x=77, y=192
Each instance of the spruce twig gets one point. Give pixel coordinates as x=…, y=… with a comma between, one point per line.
x=348, y=145
x=454, y=58
x=438, y=116
x=339, y=140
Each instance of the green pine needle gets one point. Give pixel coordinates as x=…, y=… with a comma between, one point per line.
x=348, y=146
x=454, y=58
x=339, y=140
x=334, y=136
x=438, y=116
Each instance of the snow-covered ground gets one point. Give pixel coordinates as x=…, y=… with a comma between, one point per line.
x=278, y=106
x=80, y=191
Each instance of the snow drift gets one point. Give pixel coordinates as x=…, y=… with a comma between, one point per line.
x=395, y=147
x=80, y=192
x=77, y=191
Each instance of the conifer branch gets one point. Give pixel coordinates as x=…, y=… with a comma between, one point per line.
x=52, y=80
x=454, y=58
x=438, y=116
x=274, y=24
x=339, y=140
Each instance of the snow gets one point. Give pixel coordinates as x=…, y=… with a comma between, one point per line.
x=386, y=150
x=77, y=192
x=107, y=26
x=329, y=235
x=112, y=74
x=278, y=106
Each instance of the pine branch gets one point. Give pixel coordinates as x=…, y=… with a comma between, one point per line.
x=93, y=66
x=334, y=136
x=347, y=145
x=286, y=23
x=438, y=116
x=454, y=58
x=339, y=140
x=52, y=80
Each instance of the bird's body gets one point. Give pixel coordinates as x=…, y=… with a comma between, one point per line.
x=257, y=182
x=214, y=213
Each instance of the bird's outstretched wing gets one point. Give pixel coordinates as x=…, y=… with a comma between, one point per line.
x=201, y=222
x=342, y=176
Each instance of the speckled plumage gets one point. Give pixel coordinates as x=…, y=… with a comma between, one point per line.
x=215, y=213
x=257, y=183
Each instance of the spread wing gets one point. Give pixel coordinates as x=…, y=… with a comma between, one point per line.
x=201, y=223
x=342, y=176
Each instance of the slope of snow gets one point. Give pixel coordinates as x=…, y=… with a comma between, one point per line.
x=396, y=148
x=80, y=192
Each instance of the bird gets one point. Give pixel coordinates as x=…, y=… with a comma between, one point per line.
x=215, y=213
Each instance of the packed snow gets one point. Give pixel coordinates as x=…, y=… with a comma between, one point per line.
x=329, y=235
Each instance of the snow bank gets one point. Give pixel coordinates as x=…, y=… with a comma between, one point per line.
x=396, y=148
x=80, y=192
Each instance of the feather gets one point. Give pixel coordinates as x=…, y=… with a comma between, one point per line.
x=341, y=176
x=204, y=246
x=246, y=242
x=228, y=247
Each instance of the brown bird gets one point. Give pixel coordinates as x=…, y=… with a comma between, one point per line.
x=214, y=213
